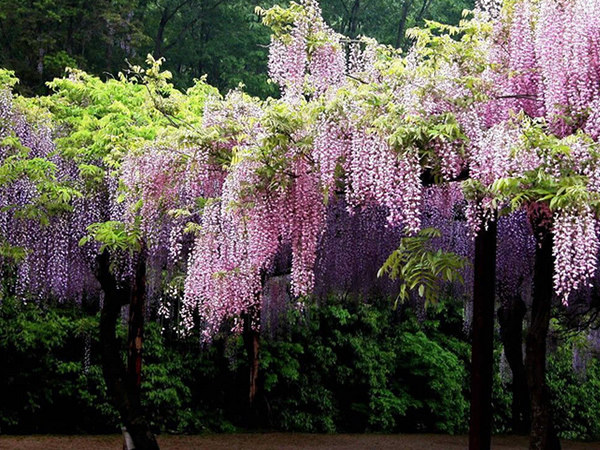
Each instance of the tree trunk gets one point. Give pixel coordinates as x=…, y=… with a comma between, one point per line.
x=402, y=22
x=252, y=344
x=124, y=384
x=510, y=317
x=160, y=34
x=482, y=353
x=353, y=19
x=69, y=40
x=543, y=436
x=422, y=11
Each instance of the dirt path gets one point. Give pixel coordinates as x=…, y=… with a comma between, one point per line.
x=276, y=441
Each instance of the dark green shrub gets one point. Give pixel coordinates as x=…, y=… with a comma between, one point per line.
x=45, y=384
x=333, y=368
x=182, y=390
x=359, y=368
x=48, y=385
x=575, y=396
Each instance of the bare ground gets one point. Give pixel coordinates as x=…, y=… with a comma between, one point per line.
x=276, y=441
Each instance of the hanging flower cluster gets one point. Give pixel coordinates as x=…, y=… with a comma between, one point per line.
x=515, y=257
x=550, y=67
x=51, y=264
x=308, y=57
x=376, y=174
x=575, y=251
x=351, y=250
x=349, y=153
x=545, y=65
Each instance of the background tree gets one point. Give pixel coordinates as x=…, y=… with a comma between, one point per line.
x=387, y=21
x=222, y=39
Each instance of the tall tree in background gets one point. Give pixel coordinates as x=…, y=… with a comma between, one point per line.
x=39, y=39
x=222, y=39
x=388, y=20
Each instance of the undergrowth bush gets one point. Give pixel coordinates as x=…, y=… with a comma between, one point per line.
x=365, y=368
x=575, y=395
x=333, y=368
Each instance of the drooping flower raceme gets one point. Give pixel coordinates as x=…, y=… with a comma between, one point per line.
x=575, y=251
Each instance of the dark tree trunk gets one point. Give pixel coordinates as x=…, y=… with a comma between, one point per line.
x=543, y=436
x=124, y=384
x=482, y=353
x=109, y=55
x=252, y=344
x=69, y=40
x=353, y=19
x=510, y=317
x=422, y=11
x=402, y=22
x=160, y=34
x=165, y=18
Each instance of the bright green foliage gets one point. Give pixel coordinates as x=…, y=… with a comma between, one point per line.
x=7, y=79
x=418, y=132
x=464, y=44
x=102, y=121
x=282, y=123
x=280, y=20
x=420, y=269
x=97, y=123
x=568, y=190
x=113, y=235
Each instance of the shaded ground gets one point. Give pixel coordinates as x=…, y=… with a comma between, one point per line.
x=276, y=441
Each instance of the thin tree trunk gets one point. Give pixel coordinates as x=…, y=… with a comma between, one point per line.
x=482, y=352
x=543, y=436
x=69, y=40
x=353, y=19
x=252, y=344
x=165, y=17
x=402, y=22
x=422, y=11
x=160, y=34
x=124, y=384
x=510, y=317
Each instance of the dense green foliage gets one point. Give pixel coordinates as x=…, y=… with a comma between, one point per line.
x=338, y=367
x=364, y=368
x=43, y=381
x=575, y=396
x=49, y=384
